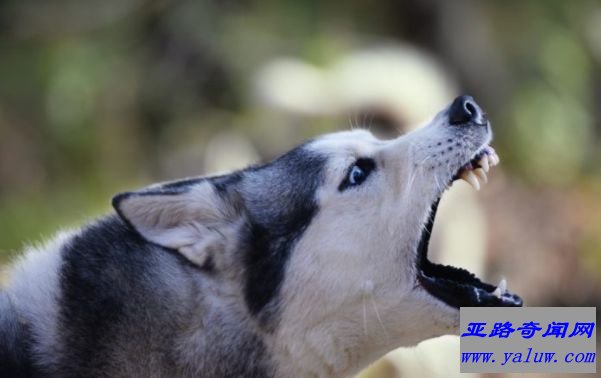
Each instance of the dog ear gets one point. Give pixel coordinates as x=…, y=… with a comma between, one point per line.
x=189, y=216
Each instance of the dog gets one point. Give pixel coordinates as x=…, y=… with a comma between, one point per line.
x=312, y=265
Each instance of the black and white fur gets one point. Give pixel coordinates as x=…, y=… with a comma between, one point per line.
x=279, y=270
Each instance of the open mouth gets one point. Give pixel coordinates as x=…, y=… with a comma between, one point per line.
x=458, y=287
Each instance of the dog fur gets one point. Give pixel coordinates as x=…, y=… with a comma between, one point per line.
x=286, y=269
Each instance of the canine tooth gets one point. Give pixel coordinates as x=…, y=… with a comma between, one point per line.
x=484, y=163
x=501, y=289
x=497, y=293
x=503, y=286
x=481, y=174
x=471, y=179
x=493, y=159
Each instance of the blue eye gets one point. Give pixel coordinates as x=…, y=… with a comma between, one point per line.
x=357, y=173
x=356, y=176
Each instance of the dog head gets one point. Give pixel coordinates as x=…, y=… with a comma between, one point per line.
x=327, y=245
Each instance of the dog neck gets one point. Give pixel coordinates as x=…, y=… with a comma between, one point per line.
x=335, y=348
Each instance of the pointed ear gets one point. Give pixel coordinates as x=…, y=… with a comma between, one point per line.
x=189, y=216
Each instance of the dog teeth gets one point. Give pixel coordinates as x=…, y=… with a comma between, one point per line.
x=501, y=289
x=484, y=163
x=471, y=179
x=481, y=174
x=503, y=286
x=477, y=172
x=493, y=158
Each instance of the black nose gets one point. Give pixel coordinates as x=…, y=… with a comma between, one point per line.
x=464, y=109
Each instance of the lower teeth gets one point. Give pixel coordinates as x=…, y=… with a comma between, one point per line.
x=501, y=289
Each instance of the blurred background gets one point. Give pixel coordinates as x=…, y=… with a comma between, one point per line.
x=97, y=97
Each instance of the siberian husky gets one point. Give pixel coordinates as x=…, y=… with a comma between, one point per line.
x=313, y=265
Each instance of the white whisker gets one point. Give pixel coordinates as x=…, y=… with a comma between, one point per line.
x=424, y=160
x=364, y=316
x=373, y=301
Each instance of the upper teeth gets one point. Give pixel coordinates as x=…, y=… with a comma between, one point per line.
x=471, y=179
x=481, y=174
x=484, y=163
x=471, y=175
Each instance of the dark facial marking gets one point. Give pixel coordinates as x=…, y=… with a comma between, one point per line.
x=280, y=200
